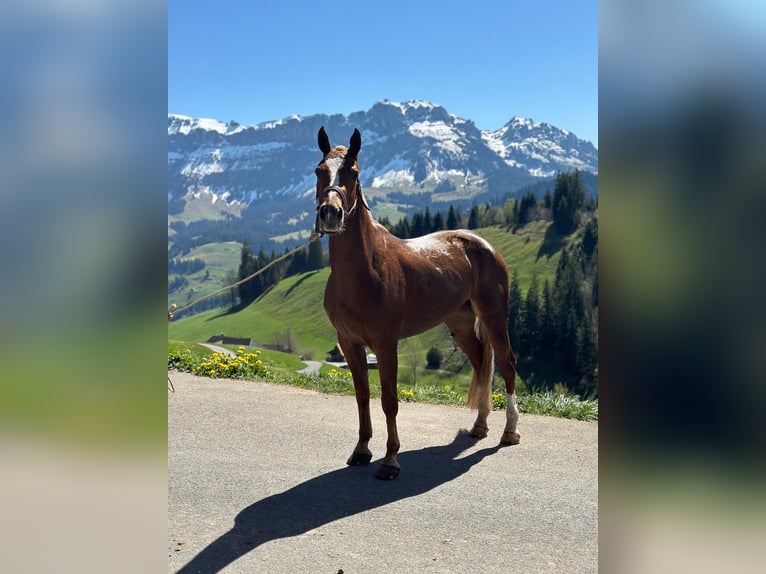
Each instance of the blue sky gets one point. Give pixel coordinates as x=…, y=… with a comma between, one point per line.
x=485, y=60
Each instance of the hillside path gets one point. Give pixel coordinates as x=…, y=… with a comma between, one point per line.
x=312, y=367
x=220, y=350
x=257, y=482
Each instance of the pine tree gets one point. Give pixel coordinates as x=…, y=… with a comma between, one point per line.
x=416, y=227
x=590, y=237
x=587, y=357
x=514, y=310
x=428, y=222
x=530, y=332
x=229, y=279
x=315, y=256
x=259, y=282
x=246, y=267
x=594, y=290
x=453, y=218
x=568, y=294
x=547, y=320
x=569, y=341
x=473, y=217
x=298, y=263
x=527, y=208
x=404, y=228
x=568, y=200
x=438, y=224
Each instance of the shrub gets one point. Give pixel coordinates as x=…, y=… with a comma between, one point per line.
x=182, y=360
x=243, y=366
x=433, y=358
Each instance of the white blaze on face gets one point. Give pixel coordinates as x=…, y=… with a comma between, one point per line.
x=334, y=164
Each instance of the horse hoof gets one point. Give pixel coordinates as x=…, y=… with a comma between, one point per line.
x=387, y=472
x=478, y=431
x=359, y=459
x=510, y=438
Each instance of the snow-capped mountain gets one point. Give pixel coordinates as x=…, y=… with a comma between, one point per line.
x=541, y=149
x=413, y=147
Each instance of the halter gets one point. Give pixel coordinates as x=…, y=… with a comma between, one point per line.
x=344, y=200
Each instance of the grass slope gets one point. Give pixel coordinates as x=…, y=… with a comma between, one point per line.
x=220, y=259
x=294, y=304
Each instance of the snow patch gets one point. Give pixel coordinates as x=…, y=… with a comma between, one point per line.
x=446, y=137
x=393, y=178
x=409, y=105
x=184, y=125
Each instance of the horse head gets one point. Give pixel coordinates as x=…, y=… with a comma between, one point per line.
x=338, y=191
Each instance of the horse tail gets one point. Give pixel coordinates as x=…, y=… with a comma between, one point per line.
x=480, y=392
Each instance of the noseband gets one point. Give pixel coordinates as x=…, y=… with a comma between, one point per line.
x=346, y=211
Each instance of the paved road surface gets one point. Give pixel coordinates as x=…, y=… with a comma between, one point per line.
x=257, y=483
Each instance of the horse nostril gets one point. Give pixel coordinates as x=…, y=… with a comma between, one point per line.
x=326, y=210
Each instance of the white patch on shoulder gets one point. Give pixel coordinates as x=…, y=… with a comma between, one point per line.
x=428, y=244
x=333, y=165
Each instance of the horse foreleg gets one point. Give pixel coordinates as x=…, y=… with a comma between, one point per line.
x=357, y=362
x=388, y=365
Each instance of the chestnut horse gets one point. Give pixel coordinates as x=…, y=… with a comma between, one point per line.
x=382, y=289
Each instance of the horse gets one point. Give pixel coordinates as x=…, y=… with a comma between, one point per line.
x=382, y=289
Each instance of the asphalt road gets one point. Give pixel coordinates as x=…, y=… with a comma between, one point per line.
x=257, y=482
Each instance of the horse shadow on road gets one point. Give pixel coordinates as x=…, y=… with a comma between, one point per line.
x=333, y=496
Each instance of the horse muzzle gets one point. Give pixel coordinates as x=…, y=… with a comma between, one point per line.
x=329, y=218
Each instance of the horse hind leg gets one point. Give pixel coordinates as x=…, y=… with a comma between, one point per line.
x=497, y=331
x=470, y=338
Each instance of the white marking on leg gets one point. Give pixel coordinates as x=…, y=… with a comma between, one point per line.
x=511, y=413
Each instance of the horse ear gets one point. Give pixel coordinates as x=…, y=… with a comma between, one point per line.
x=355, y=144
x=324, y=141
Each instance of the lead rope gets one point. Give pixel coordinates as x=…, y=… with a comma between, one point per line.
x=173, y=309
